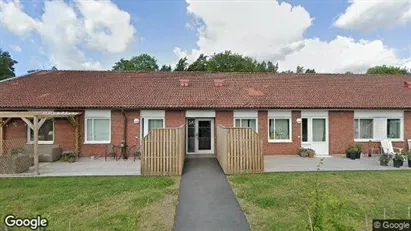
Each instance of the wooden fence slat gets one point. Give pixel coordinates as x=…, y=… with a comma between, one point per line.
x=239, y=150
x=163, y=152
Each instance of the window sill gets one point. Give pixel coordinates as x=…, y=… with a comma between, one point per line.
x=375, y=140
x=97, y=142
x=42, y=142
x=279, y=141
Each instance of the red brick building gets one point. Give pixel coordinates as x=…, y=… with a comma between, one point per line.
x=321, y=111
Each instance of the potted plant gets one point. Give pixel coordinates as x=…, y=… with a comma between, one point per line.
x=398, y=160
x=68, y=157
x=351, y=152
x=310, y=152
x=408, y=156
x=384, y=159
x=303, y=152
x=358, y=151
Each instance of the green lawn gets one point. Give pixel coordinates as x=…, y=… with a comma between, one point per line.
x=280, y=201
x=93, y=203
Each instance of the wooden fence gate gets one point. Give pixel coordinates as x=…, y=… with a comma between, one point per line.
x=239, y=150
x=163, y=152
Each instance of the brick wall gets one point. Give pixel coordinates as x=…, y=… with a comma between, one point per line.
x=341, y=133
x=280, y=148
x=224, y=118
x=175, y=119
x=117, y=133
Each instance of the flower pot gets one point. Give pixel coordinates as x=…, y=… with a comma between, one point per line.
x=353, y=155
x=409, y=163
x=311, y=155
x=383, y=163
x=398, y=163
x=358, y=155
x=303, y=154
x=347, y=154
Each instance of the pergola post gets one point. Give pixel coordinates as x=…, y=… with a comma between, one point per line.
x=2, y=124
x=74, y=120
x=36, y=144
x=1, y=136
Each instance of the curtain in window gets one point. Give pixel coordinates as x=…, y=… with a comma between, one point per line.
x=90, y=129
x=366, y=129
x=101, y=129
x=46, y=131
x=282, y=131
x=393, y=128
x=318, y=129
x=246, y=123
x=250, y=123
x=154, y=123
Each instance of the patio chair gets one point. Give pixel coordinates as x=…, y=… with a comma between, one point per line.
x=110, y=151
x=387, y=148
x=134, y=150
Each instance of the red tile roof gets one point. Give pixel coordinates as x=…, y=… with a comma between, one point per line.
x=104, y=89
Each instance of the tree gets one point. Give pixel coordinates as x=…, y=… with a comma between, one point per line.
x=6, y=65
x=390, y=70
x=165, y=68
x=229, y=62
x=181, y=65
x=53, y=68
x=271, y=67
x=143, y=62
x=199, y=65
x=349, y=73
x=300, y=70
x=261, y=67
x=287, y=72
x=310, y=71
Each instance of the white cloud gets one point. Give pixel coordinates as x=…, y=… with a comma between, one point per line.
x=340, y=55
x=15, y=20
x=268, y=30
x=67, y=28
x=369, y=15
x=16, y=48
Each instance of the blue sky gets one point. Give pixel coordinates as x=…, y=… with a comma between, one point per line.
x=330, y=36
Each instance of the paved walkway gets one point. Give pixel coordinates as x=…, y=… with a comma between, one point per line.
x=85, y=166
x=206, y=200
x=295, y=163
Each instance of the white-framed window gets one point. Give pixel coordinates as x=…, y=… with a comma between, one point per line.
x=246, y=123
x=376, y=125
x=394, y=129
x=279, y=129
x=97, y=126
x=152, y=123
x=151, y=119
x=364, y=129
x=46, y=133
x=246, y=119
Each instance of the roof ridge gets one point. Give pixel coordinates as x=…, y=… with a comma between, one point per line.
x=20, y=76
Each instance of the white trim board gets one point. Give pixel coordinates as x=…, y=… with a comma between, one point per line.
x=200, y=114
x=153, y=113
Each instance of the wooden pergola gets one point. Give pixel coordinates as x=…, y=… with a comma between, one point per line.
x=39, y=117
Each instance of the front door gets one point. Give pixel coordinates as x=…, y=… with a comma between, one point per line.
x=314, y=132
x=200, y=136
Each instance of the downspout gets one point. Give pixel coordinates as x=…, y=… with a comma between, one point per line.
x=124, y=140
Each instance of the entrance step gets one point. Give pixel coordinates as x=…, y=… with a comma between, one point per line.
x=200, y=156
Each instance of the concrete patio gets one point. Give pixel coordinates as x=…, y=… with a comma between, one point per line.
x=295, y=163
x=85, y=166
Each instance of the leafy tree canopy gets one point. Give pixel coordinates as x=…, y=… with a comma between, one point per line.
x=390, y=70
x=181, y=65
x=229, y=62
x=199, y=65
x=165, y=68
x=6, y=65
x=310, y=71
x=143, y=62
